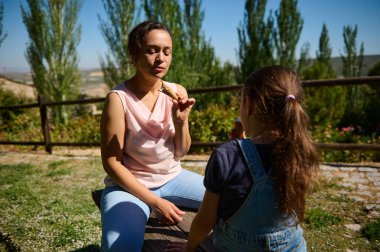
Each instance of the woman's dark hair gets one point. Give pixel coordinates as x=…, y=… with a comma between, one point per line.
x=277, y=94
x=138, y=35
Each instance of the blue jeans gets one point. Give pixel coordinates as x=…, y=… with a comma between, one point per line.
x=124, y=216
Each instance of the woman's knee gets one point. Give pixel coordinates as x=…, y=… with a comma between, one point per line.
x=123, y=226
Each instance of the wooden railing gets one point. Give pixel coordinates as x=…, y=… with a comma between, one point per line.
x=42, y=105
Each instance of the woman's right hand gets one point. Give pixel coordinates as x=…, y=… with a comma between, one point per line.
x=166, y=212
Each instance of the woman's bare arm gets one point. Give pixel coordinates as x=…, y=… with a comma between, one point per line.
x=181, y=110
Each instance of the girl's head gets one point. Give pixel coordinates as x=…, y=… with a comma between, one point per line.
x=150, y=47
x=275, y=94
x=272, y=92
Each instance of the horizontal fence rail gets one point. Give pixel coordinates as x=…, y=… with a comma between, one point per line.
x=42, y=105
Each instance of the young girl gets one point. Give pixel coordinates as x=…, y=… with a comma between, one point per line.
x=256, y=187
x=144, y=133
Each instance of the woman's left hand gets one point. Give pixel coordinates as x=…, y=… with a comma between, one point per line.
x=182, y=108
x=176, y=247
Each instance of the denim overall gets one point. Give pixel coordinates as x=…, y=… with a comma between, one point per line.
x=258, y=225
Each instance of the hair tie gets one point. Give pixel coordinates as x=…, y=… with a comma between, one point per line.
x=290, y=97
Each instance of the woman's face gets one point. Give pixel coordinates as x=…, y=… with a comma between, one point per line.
x=156, y=54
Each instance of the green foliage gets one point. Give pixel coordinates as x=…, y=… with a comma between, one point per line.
x=212, y=124
x=330, y=134
x=25, y=126
x=7, y=98
x=372, y=231
x=51, y=52
x=255, y=39
x=304, y=60
x=375, y=70
x=2, y=34
x=78, y=129
x=371, y=110
x=352, y=67
x=324, y=53
x=121, y=20
x=352, y=60
x=325, y=104
x=318, y=218
x=289, y=27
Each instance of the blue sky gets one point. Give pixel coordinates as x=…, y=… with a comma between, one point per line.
x=222, y=18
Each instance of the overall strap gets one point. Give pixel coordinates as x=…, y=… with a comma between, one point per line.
x=252, y=158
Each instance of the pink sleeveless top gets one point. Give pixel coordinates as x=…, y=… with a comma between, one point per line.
x=149, y=144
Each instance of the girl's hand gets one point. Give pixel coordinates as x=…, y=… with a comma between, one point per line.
x=237, y=131
x=182, y=108
x=167, y=212
x=175, y=247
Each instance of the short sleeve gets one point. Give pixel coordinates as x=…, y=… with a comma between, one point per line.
x=215, y=171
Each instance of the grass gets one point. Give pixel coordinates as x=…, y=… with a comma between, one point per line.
x=46, y=206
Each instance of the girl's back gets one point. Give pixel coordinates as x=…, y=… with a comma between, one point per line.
x=257, y=224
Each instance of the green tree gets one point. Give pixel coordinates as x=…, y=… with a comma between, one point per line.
x=51, y=51
x=352, y=67
x=372, y=106
x=304, y=60
x=324, y=53
x=325, y=104
x=122, y=18
x=287, y=34
x=2, y=34
x=255, y=39
x=352, y=60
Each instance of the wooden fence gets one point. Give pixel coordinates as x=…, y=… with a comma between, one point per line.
x=42, y=105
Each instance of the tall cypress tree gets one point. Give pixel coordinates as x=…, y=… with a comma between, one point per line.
x=121, y=20
x=51, y=52
x=324, y=53
x=2, y=34
x=325, y=104
x=289, y=27
x=255, y=39
x=352, y=61
x=352, y=66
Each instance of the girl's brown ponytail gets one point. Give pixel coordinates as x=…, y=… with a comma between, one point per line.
x=277, y=93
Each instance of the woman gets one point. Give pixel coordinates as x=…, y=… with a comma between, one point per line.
x=144, y=133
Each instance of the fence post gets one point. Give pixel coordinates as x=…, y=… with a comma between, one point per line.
x=45, y=123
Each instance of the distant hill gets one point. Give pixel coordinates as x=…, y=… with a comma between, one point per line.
x=20, y=89
x=368, y=62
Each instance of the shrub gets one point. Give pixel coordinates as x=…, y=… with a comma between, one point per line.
x=213, y=123
x=78, y=129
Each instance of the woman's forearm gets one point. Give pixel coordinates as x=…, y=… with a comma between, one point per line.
x=182, y=139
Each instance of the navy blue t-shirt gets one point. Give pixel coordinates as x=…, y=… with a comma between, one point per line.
x=228, y=175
